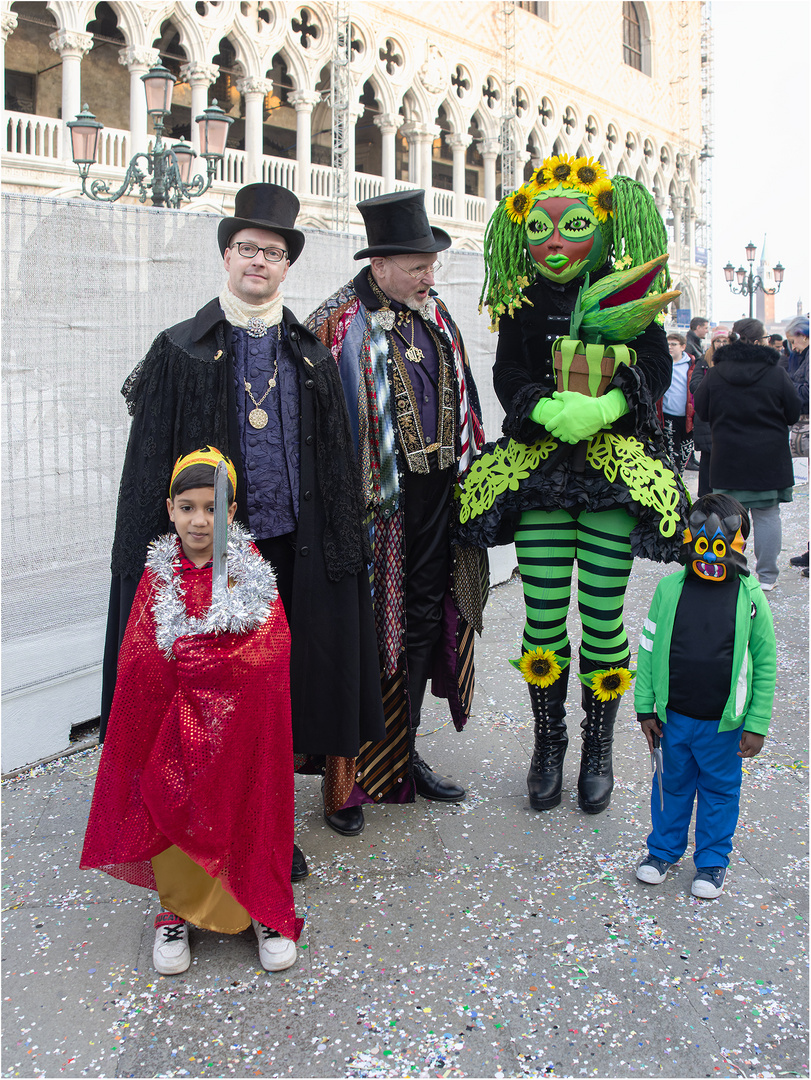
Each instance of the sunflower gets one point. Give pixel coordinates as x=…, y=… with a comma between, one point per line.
x=559, y=168
x=541, y=178
x=610, y=684
x=519, y=205
x=601, y=200
x=540, y=667
x=588, y=173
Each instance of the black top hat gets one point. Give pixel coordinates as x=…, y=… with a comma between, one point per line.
x=396, y=224
x=264, y=206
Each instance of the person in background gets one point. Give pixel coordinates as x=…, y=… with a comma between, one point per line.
x=776, y=342
x=702, y=436
x=677, y=405
x=750, y=403
x=797, y=367
x=694, y=344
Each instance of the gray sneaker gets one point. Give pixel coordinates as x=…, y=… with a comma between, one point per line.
x=709, y=882
x=653, y=871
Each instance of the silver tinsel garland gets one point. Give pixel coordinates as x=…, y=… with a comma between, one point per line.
x=246, y=605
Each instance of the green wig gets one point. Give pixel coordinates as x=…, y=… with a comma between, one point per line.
x=634, y=233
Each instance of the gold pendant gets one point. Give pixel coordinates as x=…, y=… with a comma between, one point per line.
x=257, y=418
x=415, y=355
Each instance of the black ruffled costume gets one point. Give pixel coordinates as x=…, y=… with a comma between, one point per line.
x=523, y=374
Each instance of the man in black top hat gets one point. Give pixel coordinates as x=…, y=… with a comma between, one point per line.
x=243, y=375
x=416, y=419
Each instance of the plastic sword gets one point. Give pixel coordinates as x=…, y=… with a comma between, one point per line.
x=658, y=766
x=219, y=578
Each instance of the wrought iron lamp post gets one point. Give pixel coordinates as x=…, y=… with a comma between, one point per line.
x=750, y=283
x=165, y=172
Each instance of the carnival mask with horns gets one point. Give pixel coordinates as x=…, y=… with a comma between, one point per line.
x=713, y=544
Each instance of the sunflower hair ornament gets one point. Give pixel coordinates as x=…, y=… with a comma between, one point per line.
x=541, y=667
x=626, y=215
x=206, y=455
x=608, y=684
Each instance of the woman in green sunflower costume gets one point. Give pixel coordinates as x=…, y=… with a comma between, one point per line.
x=582, y=474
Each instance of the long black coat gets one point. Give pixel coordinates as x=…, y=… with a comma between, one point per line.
x=750, y=403
x=182, y=396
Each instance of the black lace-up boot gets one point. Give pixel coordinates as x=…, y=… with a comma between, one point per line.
x=545, y=776
x=596, y=780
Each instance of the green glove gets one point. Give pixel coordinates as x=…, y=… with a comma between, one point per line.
x=582, y=417
x=545, y=410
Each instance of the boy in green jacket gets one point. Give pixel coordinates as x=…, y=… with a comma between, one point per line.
x=706, y=668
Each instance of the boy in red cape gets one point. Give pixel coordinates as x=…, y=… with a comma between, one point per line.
x=194, y=793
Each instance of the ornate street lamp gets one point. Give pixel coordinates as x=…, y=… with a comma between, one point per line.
x=750, y=283
x=168, y=166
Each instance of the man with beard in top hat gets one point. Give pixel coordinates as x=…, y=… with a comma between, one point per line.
x=243, y=375
x=416, y=419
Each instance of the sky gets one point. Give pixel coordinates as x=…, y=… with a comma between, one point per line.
x=760, y=174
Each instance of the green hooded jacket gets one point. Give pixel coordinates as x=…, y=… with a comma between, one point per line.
x=754, y=660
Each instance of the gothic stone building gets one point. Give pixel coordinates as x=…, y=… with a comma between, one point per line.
x=429, y=85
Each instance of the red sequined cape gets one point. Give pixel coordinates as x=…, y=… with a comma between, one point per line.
x=199, y=754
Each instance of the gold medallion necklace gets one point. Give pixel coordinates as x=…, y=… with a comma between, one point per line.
x=413, y=352
x=257, y=417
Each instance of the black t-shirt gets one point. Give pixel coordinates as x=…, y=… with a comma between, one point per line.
x=701, y=648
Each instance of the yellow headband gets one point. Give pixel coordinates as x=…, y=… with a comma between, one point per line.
x=208, y=455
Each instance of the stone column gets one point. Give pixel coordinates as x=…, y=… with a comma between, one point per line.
x=521, y=158
x=138, y=59
x=304, y=101
x=389, y=124
x=410, y=129
x=427, y=154
x=253, y=88
x=199, y=75
x=71, y=46
x=419, y=160
x=491, y=148
x=459, y=145
x=8, y=23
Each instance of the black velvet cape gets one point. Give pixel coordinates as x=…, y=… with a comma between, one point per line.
x=182, y=396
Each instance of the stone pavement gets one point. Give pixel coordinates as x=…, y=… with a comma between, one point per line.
x=483, y=939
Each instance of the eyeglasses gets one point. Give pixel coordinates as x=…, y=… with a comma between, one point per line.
x=249, y=251
x=422, y=271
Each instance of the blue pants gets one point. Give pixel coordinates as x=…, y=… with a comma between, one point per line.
x=699, y=760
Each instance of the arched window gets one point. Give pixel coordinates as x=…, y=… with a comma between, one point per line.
x=631, y=36
x=636, y=37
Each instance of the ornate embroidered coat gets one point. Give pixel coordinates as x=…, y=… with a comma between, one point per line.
x=348, y=323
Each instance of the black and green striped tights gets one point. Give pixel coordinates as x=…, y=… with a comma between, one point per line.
x=548, y=543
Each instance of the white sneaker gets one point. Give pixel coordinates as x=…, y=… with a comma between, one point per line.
x=275, y=952
x=171, y=953
x=769, y=586
x=709, y=882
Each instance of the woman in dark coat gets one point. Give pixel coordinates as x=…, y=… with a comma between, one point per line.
x=750, y=403
x=702, y=436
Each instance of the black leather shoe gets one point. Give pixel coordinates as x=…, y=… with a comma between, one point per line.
x=348, y=822
x=300, y=869
x=432, y=786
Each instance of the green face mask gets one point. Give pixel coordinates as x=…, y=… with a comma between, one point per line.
x=564, y=238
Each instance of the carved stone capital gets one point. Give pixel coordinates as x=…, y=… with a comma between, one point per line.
x=415, y=131
x=8, y=23
x=71, y=42
x=135, y=57
x=304, y=100
x=254, y=84
x=459, y=142
x=491, y=148
x=387, y=122
x=198, y=72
